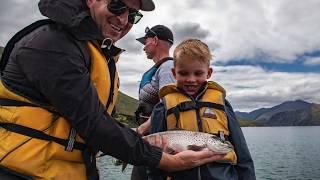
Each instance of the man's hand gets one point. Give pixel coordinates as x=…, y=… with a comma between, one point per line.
x=187, y=159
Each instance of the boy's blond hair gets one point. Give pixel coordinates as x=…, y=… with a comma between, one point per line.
x=194, y=49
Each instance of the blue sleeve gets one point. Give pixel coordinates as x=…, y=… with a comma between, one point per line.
x=158, y=124
x=244, y=166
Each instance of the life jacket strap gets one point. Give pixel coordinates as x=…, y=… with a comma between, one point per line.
x=69, y=144
x=193, y=105
x=39, y=135
x=11, y=102
x=185, y=106
x=17, y=37
x=89, y=160
x=9, y=174
x=109, y=52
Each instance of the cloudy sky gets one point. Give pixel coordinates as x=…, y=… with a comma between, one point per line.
x=265, y=51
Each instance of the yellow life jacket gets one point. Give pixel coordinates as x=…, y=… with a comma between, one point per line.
x=47, y=159
x=205, y=114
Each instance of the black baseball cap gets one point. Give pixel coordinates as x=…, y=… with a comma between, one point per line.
x=161, y=31
x=147, y=5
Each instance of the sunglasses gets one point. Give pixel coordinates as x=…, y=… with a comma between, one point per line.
x=117, y=7
x=148, y=31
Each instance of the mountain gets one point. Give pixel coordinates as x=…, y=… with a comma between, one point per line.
x=289, y=113
x=251, y=115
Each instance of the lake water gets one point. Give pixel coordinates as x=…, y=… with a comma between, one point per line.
x=279, y=153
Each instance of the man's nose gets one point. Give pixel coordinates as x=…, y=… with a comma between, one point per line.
x=123, y=18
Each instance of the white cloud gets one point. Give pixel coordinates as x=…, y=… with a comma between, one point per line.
x=278, y=29
x=14, y=15
x=251, y=87
x=312, y=61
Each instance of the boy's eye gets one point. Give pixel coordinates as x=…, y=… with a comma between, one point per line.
x=182, y=73
x=198, y=73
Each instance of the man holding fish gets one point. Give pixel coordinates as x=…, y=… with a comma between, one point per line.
x=58, y=89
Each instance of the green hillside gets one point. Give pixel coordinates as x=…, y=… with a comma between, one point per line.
x=126, y=105
x=125, y=108
x=1, y=50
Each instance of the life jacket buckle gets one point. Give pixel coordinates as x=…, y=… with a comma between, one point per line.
x=106, y=43
x=71, y=140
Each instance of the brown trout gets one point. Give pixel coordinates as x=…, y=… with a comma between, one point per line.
x=180, y=140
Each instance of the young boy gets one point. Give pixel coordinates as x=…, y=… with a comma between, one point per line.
x=195, y=104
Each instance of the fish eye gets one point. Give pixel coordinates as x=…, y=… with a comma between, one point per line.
x=214, y=137
x=217, y=138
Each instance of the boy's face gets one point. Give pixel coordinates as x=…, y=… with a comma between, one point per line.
x=191, y=74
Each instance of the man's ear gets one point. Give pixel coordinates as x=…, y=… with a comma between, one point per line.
x=209, y=72
x=156, y=40
x=90, y=2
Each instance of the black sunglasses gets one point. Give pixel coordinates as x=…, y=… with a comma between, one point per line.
x=117, y=7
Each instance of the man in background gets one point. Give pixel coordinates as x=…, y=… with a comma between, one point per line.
x=157, y=42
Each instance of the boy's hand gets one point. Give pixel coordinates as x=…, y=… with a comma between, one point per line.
x=144, y=128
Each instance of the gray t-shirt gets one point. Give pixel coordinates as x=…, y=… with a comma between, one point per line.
x=163, y=76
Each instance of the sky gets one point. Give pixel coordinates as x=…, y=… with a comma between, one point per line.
x=265, y=51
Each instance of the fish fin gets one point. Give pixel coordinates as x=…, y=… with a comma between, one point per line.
x=124, y=165
x=177, y=147
x=117, y=162
x=195, y=147
x=169, y=150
